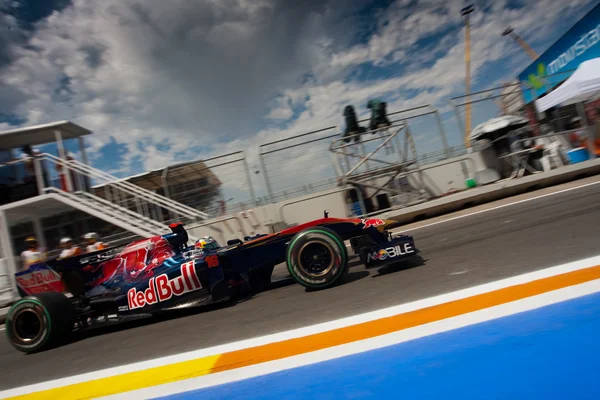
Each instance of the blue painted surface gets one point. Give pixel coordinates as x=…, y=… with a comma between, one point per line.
x=549, y=353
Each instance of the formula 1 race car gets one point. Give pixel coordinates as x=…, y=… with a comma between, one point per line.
x=163, y=273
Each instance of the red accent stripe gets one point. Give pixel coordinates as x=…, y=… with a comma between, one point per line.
x=296, y=229
x=316, y=222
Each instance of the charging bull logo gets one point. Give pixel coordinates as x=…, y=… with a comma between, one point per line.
x=368, y=223
x=135, y=263
x=162, y=288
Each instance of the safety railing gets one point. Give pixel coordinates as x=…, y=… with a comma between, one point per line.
x=216, y=185
x=111, y=214
x=8, y=292
x=126, y=213
x=76, y=177
x=296, y=161
x=129, y=187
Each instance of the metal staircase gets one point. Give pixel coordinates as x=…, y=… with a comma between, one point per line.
x=116, y=201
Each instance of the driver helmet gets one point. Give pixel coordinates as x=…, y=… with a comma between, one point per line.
x=206, y=242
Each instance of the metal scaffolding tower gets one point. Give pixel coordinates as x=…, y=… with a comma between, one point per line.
x=381, y=161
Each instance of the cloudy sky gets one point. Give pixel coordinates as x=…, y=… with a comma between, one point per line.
x=164, y=81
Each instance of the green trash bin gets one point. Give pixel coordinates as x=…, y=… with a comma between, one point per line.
x=471, y=183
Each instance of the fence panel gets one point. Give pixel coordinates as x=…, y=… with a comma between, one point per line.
x=298, y=165
x=216, y=185
x=502, y=100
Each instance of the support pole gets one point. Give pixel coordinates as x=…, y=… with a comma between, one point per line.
x=248, y=177
x=266, y=177
x=440, y=125
x=7, y=253
x=39, y=175
x=466, y=12
x=84, y=159
x=38, y=229
x=588, y=130
x=63, y=155
x=166, y=192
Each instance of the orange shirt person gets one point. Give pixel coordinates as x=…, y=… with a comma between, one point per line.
x=93, y=242
x=69, y=249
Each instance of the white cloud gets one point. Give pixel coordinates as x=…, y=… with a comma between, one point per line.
x=236, y=73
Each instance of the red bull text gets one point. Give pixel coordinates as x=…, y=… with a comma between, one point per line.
x=41, y=279
x=162, y=288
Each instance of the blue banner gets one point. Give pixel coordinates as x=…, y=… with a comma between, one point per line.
x=579, y=44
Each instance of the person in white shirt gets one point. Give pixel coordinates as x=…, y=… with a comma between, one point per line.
x=93, y=242
x=34, y=254
x=69, y=248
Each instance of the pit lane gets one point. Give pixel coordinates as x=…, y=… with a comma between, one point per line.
x=457, y=254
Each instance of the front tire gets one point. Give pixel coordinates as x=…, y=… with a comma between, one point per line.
x=317, y=258
x=40, y=322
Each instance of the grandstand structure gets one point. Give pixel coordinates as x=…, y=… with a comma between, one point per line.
x=51, y=196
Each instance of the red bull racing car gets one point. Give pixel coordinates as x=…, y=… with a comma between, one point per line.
x=163, y=273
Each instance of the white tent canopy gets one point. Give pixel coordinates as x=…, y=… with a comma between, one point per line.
x=583, y=85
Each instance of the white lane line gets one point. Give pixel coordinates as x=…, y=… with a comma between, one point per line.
x=498, y=207
x=309, y=330
x=527, y=304
x=460, y=272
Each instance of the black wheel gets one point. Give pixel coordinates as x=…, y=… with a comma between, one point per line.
x=317, y=258
x=39, y=322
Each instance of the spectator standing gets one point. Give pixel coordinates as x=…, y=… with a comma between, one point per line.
x=34, y=254
x=93, y=242
x=69, y=248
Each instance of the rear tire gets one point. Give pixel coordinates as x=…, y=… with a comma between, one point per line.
x=317, y=258
x=40, y=322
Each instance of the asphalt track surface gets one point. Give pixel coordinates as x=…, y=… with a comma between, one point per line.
x=457, y=254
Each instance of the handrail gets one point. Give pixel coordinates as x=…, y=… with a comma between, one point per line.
x=219, y=220
x=98, y=199
x=119, y=182
x=135, y=227
x=93, y=172
x=127, y=187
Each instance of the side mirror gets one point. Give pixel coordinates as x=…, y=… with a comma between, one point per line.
x=232, y=242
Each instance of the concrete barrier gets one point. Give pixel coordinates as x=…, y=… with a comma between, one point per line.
x=492, y=192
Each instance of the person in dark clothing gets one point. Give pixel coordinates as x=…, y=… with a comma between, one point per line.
x=378, y=115
x=352, y=127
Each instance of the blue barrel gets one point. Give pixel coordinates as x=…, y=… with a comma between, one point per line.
x=578, y=155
